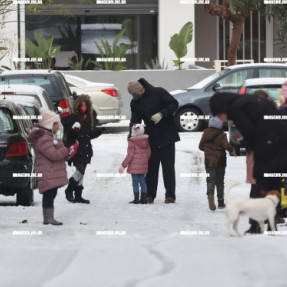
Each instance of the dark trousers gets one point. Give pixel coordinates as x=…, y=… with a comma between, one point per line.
x=48, y=198
x=81, y=167
x=266, y=184
x=165, y=156
x=215, y=179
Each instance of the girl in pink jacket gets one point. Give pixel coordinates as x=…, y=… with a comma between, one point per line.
x=50, y=152
x=137, y=162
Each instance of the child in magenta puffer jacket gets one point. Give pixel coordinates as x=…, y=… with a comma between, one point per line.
x=137, y=161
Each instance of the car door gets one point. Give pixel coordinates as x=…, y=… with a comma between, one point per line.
x=232, y=81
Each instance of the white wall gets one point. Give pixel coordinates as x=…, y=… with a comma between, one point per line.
x=172, y=16
x=9, y=36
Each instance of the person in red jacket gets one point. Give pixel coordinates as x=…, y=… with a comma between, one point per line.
x=137, y=161
x=50, y=152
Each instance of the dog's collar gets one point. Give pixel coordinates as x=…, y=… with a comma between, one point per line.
x=272, y=200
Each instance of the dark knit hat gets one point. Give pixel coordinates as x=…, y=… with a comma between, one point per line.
x=134, y=87
x=219, y=102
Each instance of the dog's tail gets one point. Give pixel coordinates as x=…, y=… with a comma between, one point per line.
x=228, y=188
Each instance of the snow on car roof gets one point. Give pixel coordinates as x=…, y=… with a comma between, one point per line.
x=264, y=81
x=255, y=65
x=24, y=100
x=86, y=82
x=17, y=72
x=23, y=89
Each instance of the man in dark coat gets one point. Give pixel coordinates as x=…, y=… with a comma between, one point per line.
x=155, y=106
x=267, y=138
x=79, y=126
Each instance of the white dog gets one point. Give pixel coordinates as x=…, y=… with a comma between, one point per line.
x=259, y=209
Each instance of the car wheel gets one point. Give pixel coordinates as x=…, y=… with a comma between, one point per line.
x=96, y=121
x=187, y=120
x=25, y=196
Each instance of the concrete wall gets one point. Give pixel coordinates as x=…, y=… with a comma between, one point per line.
x=168, y=79
x=171, y=17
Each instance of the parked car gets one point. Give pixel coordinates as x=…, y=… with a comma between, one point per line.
x=270, y=85
x=194, y=110
x=52, y=81
x=20, y=92
x=16, y=154
x=105, y=98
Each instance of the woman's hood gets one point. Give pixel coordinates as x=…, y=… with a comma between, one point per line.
x=146, y=84
x=80, y=99
x=220, y=102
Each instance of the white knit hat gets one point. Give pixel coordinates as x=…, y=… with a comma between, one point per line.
x=48, y=119
x=137, y=130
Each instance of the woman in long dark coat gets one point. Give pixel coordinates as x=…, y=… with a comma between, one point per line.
x=266, y=137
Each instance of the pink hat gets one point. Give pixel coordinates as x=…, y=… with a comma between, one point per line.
x=48, y=119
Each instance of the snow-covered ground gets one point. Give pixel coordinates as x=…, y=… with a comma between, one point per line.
x=147, y=248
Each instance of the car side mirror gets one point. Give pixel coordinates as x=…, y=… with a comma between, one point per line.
x=216, y=87
x=60, y=111
x=74, y=95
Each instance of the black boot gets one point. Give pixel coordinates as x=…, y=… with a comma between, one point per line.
x=78, y=195
x=143, y=198
x=221, y=204
x=279, y=220
x=254, y=227
x=136, y=199
x=70, y=188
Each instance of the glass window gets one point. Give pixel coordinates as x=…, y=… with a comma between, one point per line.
x=25, y=122
x=235, y=79
x=48, y=101
x=272, y=73
x=79, y=34
x=64, y=30
x=30, y=110
x=6, y=122
x=49, y=83
x=273, y=92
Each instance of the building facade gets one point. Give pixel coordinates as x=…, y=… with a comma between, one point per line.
x=149, y=25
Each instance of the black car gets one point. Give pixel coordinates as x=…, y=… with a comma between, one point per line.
x=194, y=110
x=16, y=155
x=52, y=81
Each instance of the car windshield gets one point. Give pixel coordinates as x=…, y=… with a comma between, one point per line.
x=47, y=83
x=207, y=80
x=6, y=122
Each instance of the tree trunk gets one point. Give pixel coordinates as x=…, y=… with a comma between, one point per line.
x=235, y=40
